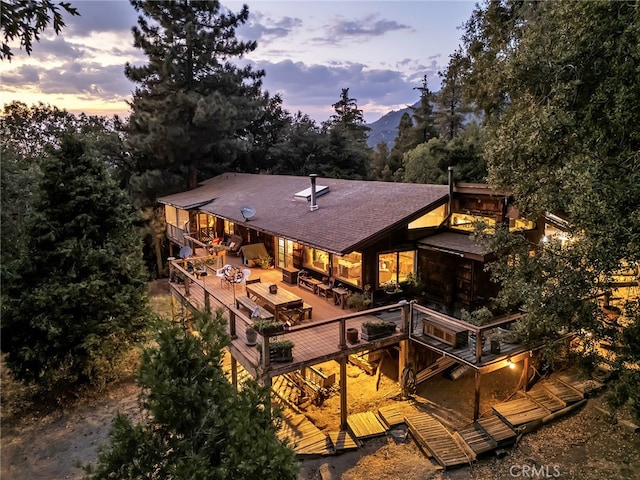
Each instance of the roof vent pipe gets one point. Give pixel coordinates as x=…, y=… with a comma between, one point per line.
x=314, y=205
x=450, y=170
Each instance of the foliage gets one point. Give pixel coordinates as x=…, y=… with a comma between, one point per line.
x=378, y=326
x=195, y=423
x=358, y=301
x=262, y=325
x=560, y=106
x=78, y=297
x=281, y=345
x=450, y=100
x=478, y=317
x=27, y=19
x=264, y=262
x=429, y=162
x=193, y=109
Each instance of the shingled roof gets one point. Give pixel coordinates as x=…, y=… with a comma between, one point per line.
x=351, y=214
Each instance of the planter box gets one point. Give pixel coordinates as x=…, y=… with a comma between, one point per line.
x=374, y=333
x=450, y=334
x=280, y=355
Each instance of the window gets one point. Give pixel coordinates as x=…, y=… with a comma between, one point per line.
x=316, y=259
x=348, y=268
x=229, y=227
x=461, y=221
x=395, y=267
x=170, y=215
x=431, y=219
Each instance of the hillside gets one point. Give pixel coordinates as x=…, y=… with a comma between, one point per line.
x=385, y=129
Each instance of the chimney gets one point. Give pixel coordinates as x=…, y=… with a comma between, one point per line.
x=450, y=170
x=314, y=205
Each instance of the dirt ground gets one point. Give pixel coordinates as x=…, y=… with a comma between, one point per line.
x=47, y=443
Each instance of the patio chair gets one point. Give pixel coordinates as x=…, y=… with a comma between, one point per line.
x=220, y=273
x=234, y=244
x=246, y=273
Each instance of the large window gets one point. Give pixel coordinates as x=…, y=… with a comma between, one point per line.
x=316, y=259
x=229, y=227
x=175, y=216
x=348, y=268
x=395, y=267
x=461, y=221
x=431, y=219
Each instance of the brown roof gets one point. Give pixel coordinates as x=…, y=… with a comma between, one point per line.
x=350, y=214
x=455, y=244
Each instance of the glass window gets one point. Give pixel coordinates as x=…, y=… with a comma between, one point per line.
x=395, y=267
x=316, y=259
x=461, y=221
x=516, y=224
x=229, y=227
x=431, y=219
x=183, y=218
x=348, y=268
x=170, y=215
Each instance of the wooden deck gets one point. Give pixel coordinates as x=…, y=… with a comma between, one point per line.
x=435, y=439
x=316, y=340
x=304, y=436
x=366, y=425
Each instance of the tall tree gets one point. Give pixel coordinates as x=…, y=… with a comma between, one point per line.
x=193, y=106
x=79, y=297
x=27, y=19
x=196, y=424
x=405, y=141
x=347, y=154
x=561, y=107
x=423, y=116
x=451, y=106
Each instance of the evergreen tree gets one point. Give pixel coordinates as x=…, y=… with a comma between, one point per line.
x=347, y=154
x=79, y=297
x=379, y=161
x=423, y=117
x=193, y=107
x=196, y=425
x=558, y=84
x=451, y=106
x=405, y=141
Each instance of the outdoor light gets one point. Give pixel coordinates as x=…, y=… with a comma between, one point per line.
x=511, y=364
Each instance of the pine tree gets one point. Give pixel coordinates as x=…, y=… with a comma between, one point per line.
x=192, y=109
x=79, y=297
x=423, y=117
x=451, y=106
x=196, y=424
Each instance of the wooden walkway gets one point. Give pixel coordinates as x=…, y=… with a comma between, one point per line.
x=304, y=436
x=365, y=425
x=433, y=437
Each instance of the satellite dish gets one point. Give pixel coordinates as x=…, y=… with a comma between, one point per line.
x=185, y=252
x=248, y=213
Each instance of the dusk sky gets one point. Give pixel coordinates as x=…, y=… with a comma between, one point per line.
x=310, y=51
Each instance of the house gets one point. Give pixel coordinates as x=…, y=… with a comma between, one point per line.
x=361, y=233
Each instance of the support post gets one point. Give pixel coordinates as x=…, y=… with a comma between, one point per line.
x=525, y=372
x=476, y=401
x=234, y=372
x=343, y=392
x=343, y=334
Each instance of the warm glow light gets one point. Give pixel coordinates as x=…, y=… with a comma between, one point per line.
x=511, y=364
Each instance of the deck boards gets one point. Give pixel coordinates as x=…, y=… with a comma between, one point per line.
x=365, y=425
x=342, y=441
x=543, y=398
x=477, y=438
x=391, y=415
x=520, y=411
x=433, y=437
x=498, y=430
x=304, y=436
x=564, y=392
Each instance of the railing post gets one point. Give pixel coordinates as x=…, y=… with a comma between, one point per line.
x=232, y=325
x=343, y=334
x=266, y=357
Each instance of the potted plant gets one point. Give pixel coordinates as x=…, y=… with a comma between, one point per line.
x=267, y=327
x=377, y=329
x=252, y=335
x=281, y=351
x=264, y=262
x=479, y=317
x=358, y=301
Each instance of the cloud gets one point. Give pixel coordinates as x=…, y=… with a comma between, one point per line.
x=362, y=29
x=265, y=29
x=100, y=16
